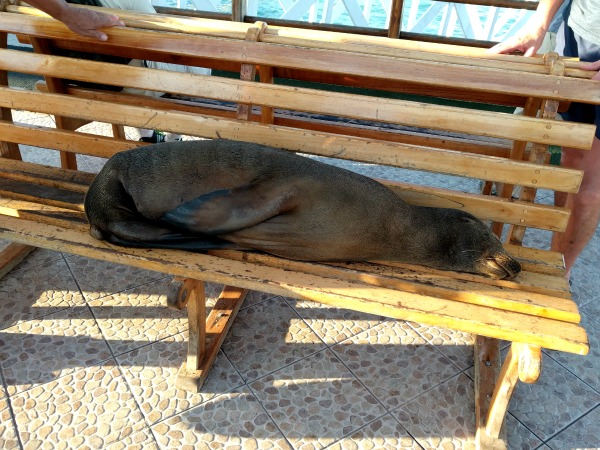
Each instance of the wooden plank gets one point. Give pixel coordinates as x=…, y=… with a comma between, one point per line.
x=55, y=177
x=313, y=38
x=476, y=319
x=542, y=261
x=323, y=144
x=485, y=207
x=480, y=79
x=463, y=144
x=68, y=141
x=415, y=114
x=44, y=213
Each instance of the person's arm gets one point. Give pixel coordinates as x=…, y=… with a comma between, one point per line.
x=79, y=20
x=530, y=39
x=593, y=66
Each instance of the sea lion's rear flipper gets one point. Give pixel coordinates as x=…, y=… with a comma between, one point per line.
x=140, y=234
x=229, y=210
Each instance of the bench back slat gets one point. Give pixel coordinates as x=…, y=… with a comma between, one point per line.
x=321, y=60
x=323, y=144
x=407, y=113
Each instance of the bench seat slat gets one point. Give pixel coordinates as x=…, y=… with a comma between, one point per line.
x=547, y=333
x=520, y=296
x=324, y=144
x=546, y=261
x=48, y=214
x=312, y=100
x=535, y=279
x=418, y=280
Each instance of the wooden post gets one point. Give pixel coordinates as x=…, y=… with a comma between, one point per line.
x=248, y=71
x=206, y=334
x=523, y=362
x=539, y=152
x=7, y=149
x=14, y=253
x=267, y=113
x=395, y=19
x=517, y=152
x=238, y=10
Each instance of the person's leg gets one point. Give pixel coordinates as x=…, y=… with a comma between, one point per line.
x=584, y=206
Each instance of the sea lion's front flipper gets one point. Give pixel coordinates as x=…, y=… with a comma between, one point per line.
x=226, y=211
x=132, y=233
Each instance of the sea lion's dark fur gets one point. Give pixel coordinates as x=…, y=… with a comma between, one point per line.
x=216, y=194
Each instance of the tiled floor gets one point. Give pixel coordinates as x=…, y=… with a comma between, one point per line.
x=89, y=354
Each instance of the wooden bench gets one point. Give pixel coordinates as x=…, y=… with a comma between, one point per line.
x=42, y=206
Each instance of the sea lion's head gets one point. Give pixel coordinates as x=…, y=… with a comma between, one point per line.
x=466, y=244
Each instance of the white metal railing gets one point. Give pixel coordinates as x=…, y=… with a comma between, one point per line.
x=419, y=16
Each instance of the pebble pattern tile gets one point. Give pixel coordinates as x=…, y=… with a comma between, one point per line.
x=37, y=291
x=381, y=434
x=554, y=402
x=143, y=440
x=586, y=368
x=583, y=434
x=518, y=436
x=443, y=417
x=235, y=420
x=41, y=351
x=394, y=362
x=94, y=276
x=91, y=408
x=151, y=372
x=137, y=317
x=8, y=433
x=316, y=401
x=267, y=336
x=332, y=324
x=457, y=346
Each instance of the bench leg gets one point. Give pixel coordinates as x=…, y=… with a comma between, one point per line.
x=494, y=385
x=206, y=334
x=12, y=255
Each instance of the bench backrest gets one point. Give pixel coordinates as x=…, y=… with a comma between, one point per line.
x=473, y=144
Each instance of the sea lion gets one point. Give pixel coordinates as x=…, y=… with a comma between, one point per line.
x=198, y=195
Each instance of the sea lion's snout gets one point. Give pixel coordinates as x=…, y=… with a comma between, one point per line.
x=501, y=266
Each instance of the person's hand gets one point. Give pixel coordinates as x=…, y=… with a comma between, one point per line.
x=86, y=22
x=593, y=66
x=526, y=43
